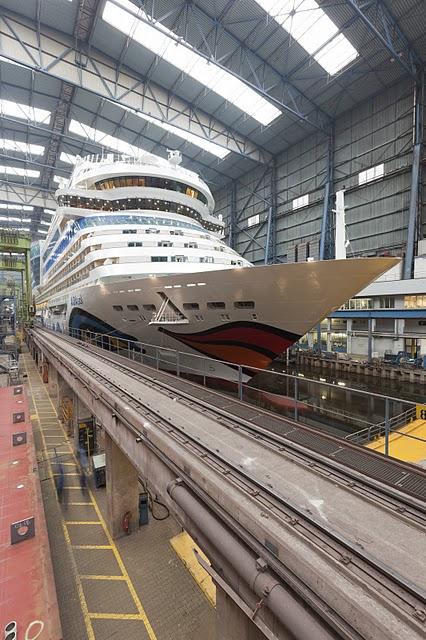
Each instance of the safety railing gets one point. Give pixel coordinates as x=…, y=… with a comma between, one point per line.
x=373, y=432
x=315, y=403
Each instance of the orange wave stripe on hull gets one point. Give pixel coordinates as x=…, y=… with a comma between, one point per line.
x=230, y=353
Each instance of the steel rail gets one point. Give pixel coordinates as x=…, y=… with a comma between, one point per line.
x=284, y=505
x=405, y=501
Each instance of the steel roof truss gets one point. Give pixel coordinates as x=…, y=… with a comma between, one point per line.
x=95, y=73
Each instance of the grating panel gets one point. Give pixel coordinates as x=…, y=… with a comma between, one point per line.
x=280, y=427
x=223, y=402
x=243, y=411
x=414, y=484
x=383, y=470
x=314, y=442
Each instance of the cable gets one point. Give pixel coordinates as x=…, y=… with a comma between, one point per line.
x=154, y=500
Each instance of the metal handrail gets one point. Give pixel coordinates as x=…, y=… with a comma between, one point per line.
x=370, y=394
x=379, y=430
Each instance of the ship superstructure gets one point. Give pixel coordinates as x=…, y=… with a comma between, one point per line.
x=136, y=251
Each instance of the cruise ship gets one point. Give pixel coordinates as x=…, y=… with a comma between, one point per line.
x=135, y=251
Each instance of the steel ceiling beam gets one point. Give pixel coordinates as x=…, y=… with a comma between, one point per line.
x=62, y=58
x=85, y=19
x=379, y=20
x=245, y=63
x=18, y=193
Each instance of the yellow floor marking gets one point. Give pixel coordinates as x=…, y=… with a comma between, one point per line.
x=82, y=599
x=120, y=562
x=96, y=577
x=184, y=547
x=67, y=522
x=73, y=473
x=72, y=488
x=141, y=615
x=115, y=616
x=91, y=546
x=33, y=416
x=80, y=504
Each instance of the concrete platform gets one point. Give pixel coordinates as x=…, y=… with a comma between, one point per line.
x=27, y=587
x=133, y=588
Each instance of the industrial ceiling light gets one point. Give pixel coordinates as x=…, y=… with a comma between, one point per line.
x=311, y=27
x=133, y=22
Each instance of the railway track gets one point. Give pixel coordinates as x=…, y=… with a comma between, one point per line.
x=377, y=576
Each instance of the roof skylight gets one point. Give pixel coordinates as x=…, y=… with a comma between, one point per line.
x=21, y=147
x=104, y=139
x=24, y=112
x=59, y=179
x=162, y=42
x=17, y=207
x=311, y=27
x=19, y=171
x=68, y=158
x=202, y=143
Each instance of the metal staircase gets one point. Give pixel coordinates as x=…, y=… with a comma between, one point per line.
x=168, y=313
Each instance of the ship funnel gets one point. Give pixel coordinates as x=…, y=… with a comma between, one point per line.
x=175, y=157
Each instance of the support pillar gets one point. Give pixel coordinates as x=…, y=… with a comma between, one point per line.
x=80, y=413
x=415, y=199
x=271, y=234
x=370, y=344
x=52, y=384
x=65, y=404
x=233, y=217
x=325, y=249
x=122, y=489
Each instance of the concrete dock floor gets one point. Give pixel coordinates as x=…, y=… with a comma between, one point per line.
x=133, y=588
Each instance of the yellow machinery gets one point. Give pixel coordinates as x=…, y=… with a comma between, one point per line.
x=15, y=256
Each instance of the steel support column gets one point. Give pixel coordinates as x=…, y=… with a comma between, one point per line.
x=271, y=233
x=325, y=250
x=414, y=207
x=233, y=218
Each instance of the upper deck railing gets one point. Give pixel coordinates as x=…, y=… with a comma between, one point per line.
x=85, y=164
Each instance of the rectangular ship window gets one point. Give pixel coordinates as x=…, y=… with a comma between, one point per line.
x=133, y=307
x=149, y=307
x=117, y=307
x=215, y=305
x=158, y=258
x=244, y=304
x=191, y=305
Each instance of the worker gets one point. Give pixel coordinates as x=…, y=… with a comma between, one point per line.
x=60, y=482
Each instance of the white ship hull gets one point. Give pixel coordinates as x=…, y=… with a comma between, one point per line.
x=283, y=303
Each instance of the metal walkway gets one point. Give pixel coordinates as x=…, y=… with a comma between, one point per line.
x=323, y=447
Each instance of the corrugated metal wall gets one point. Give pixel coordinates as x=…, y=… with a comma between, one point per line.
x=378, y=131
